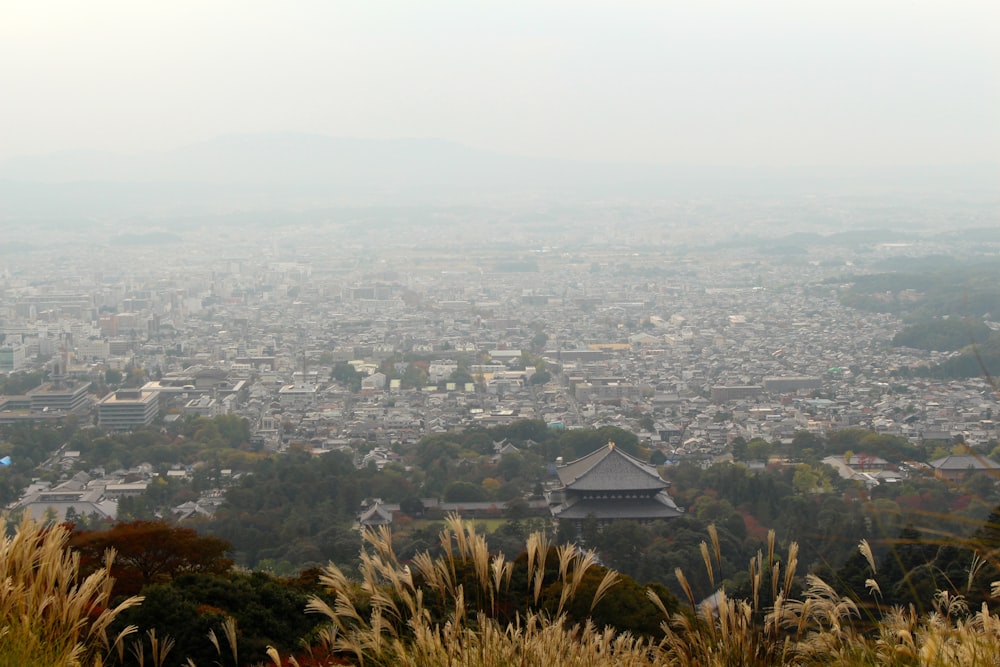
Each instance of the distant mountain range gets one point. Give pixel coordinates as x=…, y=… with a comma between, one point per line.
x=300, y=171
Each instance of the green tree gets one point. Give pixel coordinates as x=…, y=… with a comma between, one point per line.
x=540, y=377
x=268, y=612
x=458, y=492
x=902, y=575
x=347, y=375
x=580, y=442
x=739, y=448
x=538, y=342
x=646, y=423
x=20, y=382
x=415, y=375
x=411, y=506
x=136, y=377
x=943, y=335
x=461, y=376
x=758, y=449
x=620, y=544
x=806, y=479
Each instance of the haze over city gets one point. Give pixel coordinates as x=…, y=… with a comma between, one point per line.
x=773, y=83
x=623, y=278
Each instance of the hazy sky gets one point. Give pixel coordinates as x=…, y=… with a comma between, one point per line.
x=743, y=82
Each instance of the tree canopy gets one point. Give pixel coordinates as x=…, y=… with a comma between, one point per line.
x=148, y=552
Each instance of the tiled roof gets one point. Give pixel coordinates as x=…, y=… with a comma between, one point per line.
x=964, y=463
x=660, y=506
x=376, y=515
x=610, y=469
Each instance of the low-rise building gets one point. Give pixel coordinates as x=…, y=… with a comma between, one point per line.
x=956, y=468
x=54, y=504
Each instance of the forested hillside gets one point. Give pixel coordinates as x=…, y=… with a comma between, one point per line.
x=943, y=334
x=920, y=295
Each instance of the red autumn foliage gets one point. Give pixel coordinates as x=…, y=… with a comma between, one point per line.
x=149, y=552
x=755, y=530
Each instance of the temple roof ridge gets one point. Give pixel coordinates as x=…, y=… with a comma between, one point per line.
x=610, y=468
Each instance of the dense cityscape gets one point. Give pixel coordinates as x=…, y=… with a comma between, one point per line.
x=282, y=386
x=499, y=334
x=689, y=345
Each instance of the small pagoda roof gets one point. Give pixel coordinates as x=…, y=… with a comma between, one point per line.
x=610, y=469
x=376, y=515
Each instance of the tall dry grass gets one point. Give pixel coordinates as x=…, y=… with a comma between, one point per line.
x=48, y=615
x=449, y=611
x=821, y=627
x=443, y=611
x=422, y=614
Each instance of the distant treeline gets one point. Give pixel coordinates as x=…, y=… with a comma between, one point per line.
x=943, y=335
x=979, y=345
x=974, y=361
x=967, y=291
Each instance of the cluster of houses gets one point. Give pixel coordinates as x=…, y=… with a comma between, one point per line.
x=92, y=496
x=722, y=346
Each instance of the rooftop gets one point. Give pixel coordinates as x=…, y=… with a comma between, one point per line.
x=610, y=468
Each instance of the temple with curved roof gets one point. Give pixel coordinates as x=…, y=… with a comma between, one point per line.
x=609, y=484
